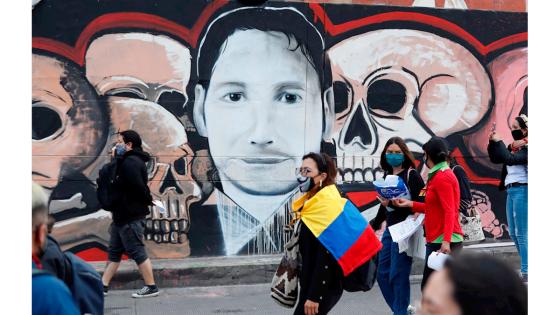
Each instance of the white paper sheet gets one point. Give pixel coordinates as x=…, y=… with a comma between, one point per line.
x=404, y=230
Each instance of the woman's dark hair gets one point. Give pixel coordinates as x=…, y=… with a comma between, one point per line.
x=437, y=149
x=133, y=137
x=408, y=157
x=325, y=164
x=485, y=285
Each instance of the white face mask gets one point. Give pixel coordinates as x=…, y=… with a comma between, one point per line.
x=305, y=183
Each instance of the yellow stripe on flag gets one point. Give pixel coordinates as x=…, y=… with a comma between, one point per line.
x=321, y=210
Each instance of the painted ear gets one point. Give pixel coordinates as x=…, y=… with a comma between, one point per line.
x=198, y=110
x=328, y=113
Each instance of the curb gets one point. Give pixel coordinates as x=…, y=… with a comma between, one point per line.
x=217, y=271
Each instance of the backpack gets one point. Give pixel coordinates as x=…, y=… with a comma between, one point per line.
x=362, y=278
x=87, y=287
x=107, y=185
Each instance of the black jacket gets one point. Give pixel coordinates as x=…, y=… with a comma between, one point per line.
x=133, y=194
x=320, y=274
x=499, y=154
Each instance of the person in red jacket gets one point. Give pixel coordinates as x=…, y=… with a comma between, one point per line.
x=441, y=206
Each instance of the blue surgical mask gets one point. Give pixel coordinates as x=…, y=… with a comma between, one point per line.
x=305, y=183
x=394, y=159
x=120, y=149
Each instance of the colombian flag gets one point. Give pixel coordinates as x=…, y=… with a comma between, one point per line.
x=340, y=227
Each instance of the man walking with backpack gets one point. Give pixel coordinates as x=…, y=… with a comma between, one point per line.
x=130, y=201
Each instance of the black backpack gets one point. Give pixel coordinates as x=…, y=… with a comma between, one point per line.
x=107, y=185
x=362, y=278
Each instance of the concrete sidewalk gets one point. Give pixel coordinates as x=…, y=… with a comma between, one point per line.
x=213, y=271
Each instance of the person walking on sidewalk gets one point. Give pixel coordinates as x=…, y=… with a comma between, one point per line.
x=334, y=238
x=441, y=206
x=393, y=270
x=514, y=180
x=132, y=200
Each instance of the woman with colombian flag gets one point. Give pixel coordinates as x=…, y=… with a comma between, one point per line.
x=441, y=225
x=334, y=239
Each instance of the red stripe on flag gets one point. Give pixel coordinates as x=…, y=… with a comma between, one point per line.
x=361, y=251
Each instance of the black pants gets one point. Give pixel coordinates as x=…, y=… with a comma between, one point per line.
x=127, y=238
x=328, y=302
x=434, y=247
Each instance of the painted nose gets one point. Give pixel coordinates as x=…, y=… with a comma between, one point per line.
x=360, y=133
x=261, y=134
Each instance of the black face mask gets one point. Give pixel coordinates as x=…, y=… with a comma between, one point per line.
x=517, y=134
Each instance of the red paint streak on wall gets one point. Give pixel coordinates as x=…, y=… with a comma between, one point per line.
x=470, y=173
x=127, y=20
x=95, y=254
x=430, y=20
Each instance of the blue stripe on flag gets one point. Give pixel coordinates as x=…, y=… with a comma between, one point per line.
x=344, y=231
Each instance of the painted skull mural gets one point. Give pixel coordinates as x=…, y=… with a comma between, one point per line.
x=144, y=76
x=227, y=98
x=405, y=83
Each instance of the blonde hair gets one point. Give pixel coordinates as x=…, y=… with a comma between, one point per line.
x=39, y=203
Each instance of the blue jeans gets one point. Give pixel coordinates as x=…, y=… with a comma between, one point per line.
x=393, y=272
x=516, y=209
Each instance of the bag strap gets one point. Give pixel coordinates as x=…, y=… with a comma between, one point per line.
x=410, y=169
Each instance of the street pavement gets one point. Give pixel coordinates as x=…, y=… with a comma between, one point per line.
x=238, y=299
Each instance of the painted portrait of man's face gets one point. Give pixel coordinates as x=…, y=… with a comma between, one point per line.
x=260, y=117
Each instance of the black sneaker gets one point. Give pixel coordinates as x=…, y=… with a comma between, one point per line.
x=146, y=291
x=105, y=290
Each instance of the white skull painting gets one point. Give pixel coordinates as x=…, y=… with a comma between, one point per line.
x=407, y=83
x=144, y=77
x=169, y=172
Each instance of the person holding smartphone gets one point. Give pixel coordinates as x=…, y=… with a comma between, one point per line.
x=441, y=206
x=514, y=180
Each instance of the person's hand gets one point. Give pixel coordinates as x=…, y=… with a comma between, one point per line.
x=403, y=203
x=416, y=215
x=311, y=308
x=384, y=202
x=494, y=136
x=445, y=248
x=518, y=143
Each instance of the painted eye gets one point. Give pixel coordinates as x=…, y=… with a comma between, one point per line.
x=173, y=102
x=290, y=98
x=127, y=92
x=45, y=122
x=386, y=97
x=341, y=96
x=234, y=97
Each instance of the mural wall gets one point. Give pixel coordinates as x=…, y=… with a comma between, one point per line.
x=228, y=98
